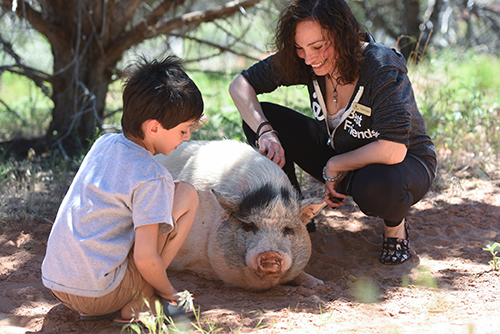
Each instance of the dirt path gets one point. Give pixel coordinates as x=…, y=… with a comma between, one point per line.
x=448, y=286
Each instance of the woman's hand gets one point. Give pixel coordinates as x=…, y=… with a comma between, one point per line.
x=332, y=197
x=270, y=146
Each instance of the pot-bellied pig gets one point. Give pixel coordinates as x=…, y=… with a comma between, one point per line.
x=249, y=229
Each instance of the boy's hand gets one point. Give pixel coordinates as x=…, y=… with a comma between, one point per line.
x=171, y=296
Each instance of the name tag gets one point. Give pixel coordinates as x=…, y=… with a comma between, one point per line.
x=367, y=111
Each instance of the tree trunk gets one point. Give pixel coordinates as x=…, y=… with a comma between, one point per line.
x=81, y=76
x=411, y=27
x=79, y=93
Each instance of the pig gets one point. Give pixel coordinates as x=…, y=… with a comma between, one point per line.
x=249, y=230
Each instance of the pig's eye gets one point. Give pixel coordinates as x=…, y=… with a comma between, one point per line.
x=249, y=227
x=288, y=231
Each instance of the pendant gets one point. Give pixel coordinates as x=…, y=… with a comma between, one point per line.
x=334, y=95
x=329, y=141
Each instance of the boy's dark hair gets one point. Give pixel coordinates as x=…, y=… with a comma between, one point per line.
x=159, y=90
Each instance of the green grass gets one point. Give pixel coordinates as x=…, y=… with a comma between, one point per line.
x=457, y=94
x=24, y=109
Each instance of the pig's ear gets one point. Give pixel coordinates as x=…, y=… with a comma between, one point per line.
x=229, y=203
x=311, y=207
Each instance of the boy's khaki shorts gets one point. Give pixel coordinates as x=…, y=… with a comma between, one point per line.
x=127, y=290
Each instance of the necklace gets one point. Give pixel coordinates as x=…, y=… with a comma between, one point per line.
x=335, y=94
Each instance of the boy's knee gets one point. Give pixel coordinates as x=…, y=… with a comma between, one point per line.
x=186, y=193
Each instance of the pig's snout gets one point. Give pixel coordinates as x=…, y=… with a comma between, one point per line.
x=270, y=263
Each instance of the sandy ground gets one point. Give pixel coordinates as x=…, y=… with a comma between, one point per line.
x=447, y=287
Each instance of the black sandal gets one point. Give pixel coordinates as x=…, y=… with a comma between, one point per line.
x=396, y=250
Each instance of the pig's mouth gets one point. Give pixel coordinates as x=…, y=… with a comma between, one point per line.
x=266, y=269
x=270, y=265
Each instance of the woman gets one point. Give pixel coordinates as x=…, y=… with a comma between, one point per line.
x=368, y=138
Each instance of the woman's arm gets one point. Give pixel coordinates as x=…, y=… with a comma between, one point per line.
x=245, y=100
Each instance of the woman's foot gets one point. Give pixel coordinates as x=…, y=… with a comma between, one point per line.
x=396, y=245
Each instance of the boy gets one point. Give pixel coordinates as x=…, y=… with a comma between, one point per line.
x=124, y=218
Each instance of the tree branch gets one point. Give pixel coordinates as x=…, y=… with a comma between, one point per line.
x=36, y=19
x=108, y=21
x=221, y=48
x=239, y=38
x=142, y=31
x=122, y=14
x=378, y=20
x=38, y=77
x=13, y=112
x=195, y=18
x=486, y=14
x=146, y=29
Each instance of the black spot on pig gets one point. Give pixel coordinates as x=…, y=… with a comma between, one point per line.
x=262, y=197
x=257, y=199
x=285, y=195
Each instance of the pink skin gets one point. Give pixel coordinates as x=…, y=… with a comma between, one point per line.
x=167, y=141
x=313, y=46
x=256, y=257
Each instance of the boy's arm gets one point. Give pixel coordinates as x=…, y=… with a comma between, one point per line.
x=149, y=262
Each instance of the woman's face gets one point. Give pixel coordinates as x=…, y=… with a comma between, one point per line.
x=314, y=47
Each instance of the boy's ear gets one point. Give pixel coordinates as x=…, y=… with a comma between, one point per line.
x=152, y=126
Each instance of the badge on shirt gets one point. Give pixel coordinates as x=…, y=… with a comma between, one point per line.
x=367, y=111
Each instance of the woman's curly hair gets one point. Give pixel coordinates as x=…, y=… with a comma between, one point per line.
x=341, y=26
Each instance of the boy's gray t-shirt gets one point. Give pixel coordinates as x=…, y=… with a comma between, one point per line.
x=118, y=188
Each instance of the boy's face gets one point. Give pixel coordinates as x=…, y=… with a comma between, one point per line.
x=168, y=140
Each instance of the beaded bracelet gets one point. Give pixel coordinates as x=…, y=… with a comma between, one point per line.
x=261, y=125
x=332, y=179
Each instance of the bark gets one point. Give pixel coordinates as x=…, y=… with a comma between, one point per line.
x=411, y=28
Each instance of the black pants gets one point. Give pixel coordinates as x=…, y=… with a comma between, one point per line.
x=384, y=191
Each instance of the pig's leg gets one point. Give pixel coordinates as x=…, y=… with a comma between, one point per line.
x=307, y=280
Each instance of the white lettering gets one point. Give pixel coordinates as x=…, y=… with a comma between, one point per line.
x=367, y=134
x=347, y=124
x=316, y=109
x=356, y=119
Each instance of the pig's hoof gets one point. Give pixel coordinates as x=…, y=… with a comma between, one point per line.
x=307, y=280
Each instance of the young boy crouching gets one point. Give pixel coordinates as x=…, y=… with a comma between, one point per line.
x=123, y=218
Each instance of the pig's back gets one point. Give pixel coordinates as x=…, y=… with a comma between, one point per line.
x=221, y=165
